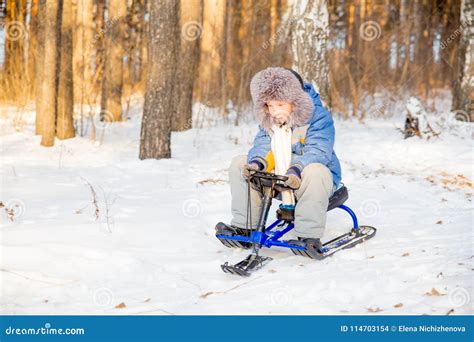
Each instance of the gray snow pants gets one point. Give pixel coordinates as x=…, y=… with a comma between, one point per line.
x=312, y=198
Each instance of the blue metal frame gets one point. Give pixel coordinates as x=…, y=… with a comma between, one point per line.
x=353, y=215
x=271, y=238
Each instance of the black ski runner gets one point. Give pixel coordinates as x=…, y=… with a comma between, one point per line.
x=345, y=241
x=245, y=267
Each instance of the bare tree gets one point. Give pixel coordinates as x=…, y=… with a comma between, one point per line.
x=143, y=46
x=16, y=36
x=234, y=49
x=254, y=33
x=46, y=87
x=115, y=26
x=212, y=52
x=82, y=55
x=65, y=102
x=99, y=45
x=463, y=91
x=310, y=33
x=54, y=89
x=135, y=23
x=32, y=45
x=162, y=63
x=190, y=23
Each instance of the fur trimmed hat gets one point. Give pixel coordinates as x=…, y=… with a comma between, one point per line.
x=276, y=83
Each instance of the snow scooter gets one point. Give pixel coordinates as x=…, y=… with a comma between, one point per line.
x=270, y=185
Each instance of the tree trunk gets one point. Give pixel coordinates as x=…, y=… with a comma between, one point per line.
x=99, y=46
x=278, y=50
x=46, y=93
x=65, y=101
x=32, y=45
x=309, y=44
x=135, y=26
x=234, y=50
x=463, y=91
x=111, y=101
x=15, y=34
x=212, y=50
x=190, y=23
x=255, y=31
x=262, y=42
x=83, y=44
x=162, y=63
x=39, y=67
x=144, y=40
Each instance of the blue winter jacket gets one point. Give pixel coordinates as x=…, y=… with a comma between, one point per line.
x=318, y=146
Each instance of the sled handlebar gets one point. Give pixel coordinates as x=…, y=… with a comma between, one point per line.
x=268, y=175
x=269, y=179
x=280, y=186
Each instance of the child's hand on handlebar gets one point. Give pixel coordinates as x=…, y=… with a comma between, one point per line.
x=294, y=177
x=247, y=169
x=293, y=181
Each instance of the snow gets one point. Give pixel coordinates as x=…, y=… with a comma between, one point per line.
x=152, y=247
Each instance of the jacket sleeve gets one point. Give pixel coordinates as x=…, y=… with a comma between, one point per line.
x=319, y=141
x=261, y=147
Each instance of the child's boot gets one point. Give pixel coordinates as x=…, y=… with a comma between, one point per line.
x=286, y=212
x=312, y=247
x=230, y=230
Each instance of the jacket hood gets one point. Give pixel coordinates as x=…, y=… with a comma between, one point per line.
x=276, y=83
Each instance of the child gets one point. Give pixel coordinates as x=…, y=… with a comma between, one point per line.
x=290, y=115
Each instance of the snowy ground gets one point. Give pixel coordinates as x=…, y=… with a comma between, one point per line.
x=152, y=250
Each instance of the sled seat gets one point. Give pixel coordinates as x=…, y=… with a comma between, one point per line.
x=338, y=197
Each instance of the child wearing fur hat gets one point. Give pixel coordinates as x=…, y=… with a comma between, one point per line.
x=295, y=138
